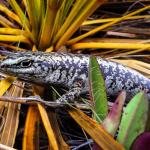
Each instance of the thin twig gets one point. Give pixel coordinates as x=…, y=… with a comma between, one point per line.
x=36, y=100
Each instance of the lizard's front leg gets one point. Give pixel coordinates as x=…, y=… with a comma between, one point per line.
x=73, y=93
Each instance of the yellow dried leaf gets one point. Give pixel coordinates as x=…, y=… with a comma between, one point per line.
x=9, y=13
x=108, y=45
x=95, y=130
x=51, y=136
x=32, y=122
x=15, y=38
x=11, y=116
x=5, y=84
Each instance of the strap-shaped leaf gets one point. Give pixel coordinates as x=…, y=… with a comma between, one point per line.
x=98, y=90
x=134, y=120
x=95, y=130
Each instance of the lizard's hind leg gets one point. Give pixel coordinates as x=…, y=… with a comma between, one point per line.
x=73, y=93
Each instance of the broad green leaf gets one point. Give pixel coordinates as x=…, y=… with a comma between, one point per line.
x=134, y=120
x=111, y=122
x=98, y=90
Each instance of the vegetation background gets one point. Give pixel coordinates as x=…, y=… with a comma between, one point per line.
x=115, y=29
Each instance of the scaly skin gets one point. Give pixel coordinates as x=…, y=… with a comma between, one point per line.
x=71, y=71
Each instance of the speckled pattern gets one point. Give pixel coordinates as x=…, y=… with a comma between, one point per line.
x=71, y=71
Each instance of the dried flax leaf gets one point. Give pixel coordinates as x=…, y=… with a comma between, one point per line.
x=71, y=17
x=9, y=13
x=47, y=24
x=86, y=11
x=104, y=26
x=11, y=117
x=21, y=15
x=60, y=17
x=104, y=20
x=38, y=90
x=108, y=45
x=34, y=13
x=50, y=133
x=30, y=137
x=15, y=38
x=5, y=84
x=53, y=119
x=6, y=23
x=95, y=130
x=12, y=31
x=16, y=48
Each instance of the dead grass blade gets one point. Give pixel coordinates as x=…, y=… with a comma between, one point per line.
x=71, y=17
x=13, y=31
x=53, y=119
x=47, y=24
x=95, y=130
x=104, y=20
x=5, y=84
x=30, y=137
x=15, y=38
x=11, y=117
x=21, y=15
x=104, y=26
x=61, y=17
x=86, y=11
x=6, y=23
x=10, y=14
x=108, y=45
x=34, y=13
x=16, y=48
x=50, y=133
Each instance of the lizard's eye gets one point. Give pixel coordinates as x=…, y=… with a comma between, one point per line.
x=26, y=63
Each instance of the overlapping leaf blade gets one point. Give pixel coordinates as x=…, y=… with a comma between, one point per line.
x=98, y=90
x=134, y=120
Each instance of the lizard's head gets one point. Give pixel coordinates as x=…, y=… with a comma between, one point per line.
x=26, y=66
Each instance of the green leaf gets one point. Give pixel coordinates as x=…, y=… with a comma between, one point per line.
x=134, y=120
x=112, y=121
x=98, y=91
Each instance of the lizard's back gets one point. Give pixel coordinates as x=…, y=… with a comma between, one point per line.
x=65, y=69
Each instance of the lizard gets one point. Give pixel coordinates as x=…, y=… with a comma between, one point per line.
x=71, y=71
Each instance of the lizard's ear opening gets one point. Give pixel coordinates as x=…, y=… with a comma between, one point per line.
x=26, y=63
